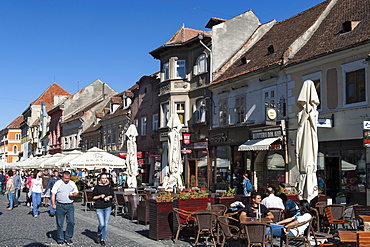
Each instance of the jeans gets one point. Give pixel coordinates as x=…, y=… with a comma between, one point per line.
x=16, y=196
x=66, y=211
x=277, y=230
x=11, y=200
x=103, y=218
x=3, y=188
x=36, y=201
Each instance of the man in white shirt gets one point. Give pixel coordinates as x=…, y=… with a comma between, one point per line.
x=272, y=201
x=62, y=195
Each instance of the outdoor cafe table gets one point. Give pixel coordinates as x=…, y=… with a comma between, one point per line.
x=365, y=217
x=348, y=236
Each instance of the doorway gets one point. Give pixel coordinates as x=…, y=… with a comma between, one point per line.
x=332, y=176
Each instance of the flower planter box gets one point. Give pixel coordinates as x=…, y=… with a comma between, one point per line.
x=160, y=220
x=228, y=200
x=193, y=204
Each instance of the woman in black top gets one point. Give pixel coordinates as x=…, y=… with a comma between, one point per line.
x=255, y=208
x=103, y=195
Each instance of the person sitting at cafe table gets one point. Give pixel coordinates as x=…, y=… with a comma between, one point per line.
x=280, y=228
x=255, y=209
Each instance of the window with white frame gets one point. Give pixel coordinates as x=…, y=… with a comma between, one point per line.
x=114, y=134
x=143, y=126
x=17, y=136
x=222, y=106
x=200, y=111
x=240, y=109
x=355, y=90
x=91, y=143
x=269, y=99
x=165, y=114
x=109, y=135
x=201, y=64
x=155, y=122
x=136, y=123
x=166, y=71
x=98, y=142
x=180, y=110
x=180, y=69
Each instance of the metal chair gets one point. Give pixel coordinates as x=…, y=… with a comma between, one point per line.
x=120, y=203
x=206, y=223
x=255, y=234
x=277, y=212
x=88, y=195
x=229, y=232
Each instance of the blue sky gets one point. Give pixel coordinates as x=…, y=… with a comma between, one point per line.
x=74, y=42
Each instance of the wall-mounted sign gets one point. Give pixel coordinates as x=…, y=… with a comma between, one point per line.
x=186, y=138
x=366, y=135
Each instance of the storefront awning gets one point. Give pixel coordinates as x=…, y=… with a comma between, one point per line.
x=258, y=144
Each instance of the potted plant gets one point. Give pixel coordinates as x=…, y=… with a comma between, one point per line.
x=340, y=198
x=165, y=197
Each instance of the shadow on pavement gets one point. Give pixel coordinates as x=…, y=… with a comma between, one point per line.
x=89, y=234
x=36, y=245
x=52, y=234
x=145, y=233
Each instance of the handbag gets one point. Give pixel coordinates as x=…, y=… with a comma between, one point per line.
x=25, y=189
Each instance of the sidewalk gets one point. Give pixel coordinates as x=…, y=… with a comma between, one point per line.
x=19, y=228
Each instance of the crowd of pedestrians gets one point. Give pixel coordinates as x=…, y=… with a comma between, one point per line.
x=56, y=190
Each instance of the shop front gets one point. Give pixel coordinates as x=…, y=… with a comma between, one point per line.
x=341, y=170
x=267, y=149
x=227, y=164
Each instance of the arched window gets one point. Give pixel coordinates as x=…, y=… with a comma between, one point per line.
x=15, y=149
x=201, y=64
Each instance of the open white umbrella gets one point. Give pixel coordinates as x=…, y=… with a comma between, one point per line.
x=68, y=156
x=131, y=158
x=174, y=151
x=50, y=163
x=307, y=141
x=97, y=158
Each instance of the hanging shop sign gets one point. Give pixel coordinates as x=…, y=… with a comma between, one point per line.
x=366, y=136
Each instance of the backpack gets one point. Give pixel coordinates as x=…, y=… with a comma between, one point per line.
x=249, y=186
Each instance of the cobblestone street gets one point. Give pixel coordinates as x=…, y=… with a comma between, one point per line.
x=19, y=228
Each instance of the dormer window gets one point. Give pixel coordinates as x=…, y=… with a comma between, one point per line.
x=348, y=26
x=270, y=50
x=201, y=64
x=243, y=60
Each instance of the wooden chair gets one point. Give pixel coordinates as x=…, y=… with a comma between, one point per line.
x=206, y=224
x=331, y=221
x=255, y=234
x=277, y=212
x=363, y=239
x=184, y=219
x=120, y=203
x=304, y=238
x=229, y=232
x=143, y=209
x=88, y=195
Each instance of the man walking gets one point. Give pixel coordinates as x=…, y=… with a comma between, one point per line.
x=48, y=188
x=17, y=186
x=62, y=195
x=2, y=180
x=45, y=180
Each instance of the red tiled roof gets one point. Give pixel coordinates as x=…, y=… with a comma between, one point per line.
x=116, y=100
x=92, y=128
x=15, y=124
x=330, y=37
x=48, y=96
x=184, y=34
x=280, y=36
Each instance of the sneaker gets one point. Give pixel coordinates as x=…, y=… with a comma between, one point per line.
x=60, y=244
x=98, y=238
x=69, y=242
x=28, y=204
x=102, y=243
x=51, y=215
x=35, y=216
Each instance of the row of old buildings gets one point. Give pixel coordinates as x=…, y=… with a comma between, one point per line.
x=235, y=89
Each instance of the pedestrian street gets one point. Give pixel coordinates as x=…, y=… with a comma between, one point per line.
x=19, y=228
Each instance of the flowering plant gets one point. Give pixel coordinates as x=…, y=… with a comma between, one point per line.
x=290, y=190
x=193, y=193
x=166, y=197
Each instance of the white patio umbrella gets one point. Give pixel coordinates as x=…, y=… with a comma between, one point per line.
x=68, y=156
x=174, y=151
x=131, y=158
x=95, y=158
x=50, y=163
x=307, y=141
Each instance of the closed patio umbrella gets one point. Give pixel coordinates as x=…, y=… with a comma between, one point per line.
x=307, y=141
x=174, y=151
x=131, y=158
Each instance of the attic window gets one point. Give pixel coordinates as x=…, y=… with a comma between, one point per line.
x=270, y=50
x=243, y=60
x=348, y=26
